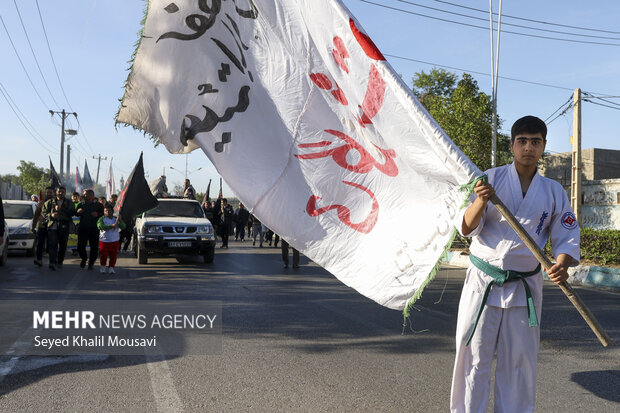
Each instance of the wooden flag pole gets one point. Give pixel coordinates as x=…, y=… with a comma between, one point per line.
x=546, y=263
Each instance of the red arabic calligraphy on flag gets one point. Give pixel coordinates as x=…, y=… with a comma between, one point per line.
x=309, y=125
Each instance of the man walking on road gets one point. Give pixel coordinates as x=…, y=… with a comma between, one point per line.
x=285, y=254
x=241, y=218
x=58, y=212
x=39, y=226
x=89, y=212
x=226, y=218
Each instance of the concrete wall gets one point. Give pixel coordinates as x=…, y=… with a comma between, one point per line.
x=601, y=204
x=10, y=191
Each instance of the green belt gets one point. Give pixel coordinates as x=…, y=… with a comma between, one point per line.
x=500, y=277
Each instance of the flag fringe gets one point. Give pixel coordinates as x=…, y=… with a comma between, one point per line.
x=127, y=83
x=468, y=189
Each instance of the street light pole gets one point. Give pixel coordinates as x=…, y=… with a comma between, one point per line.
x=187, y=173
x=63, y=116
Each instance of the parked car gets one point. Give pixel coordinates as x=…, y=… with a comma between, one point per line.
x=4, y=247
x=18, y=215
x=176, y=227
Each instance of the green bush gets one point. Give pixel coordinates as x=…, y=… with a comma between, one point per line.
x=600, y=246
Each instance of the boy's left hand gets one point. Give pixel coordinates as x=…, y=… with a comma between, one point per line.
x=557, y=273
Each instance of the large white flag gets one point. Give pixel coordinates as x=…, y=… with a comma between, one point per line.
x=311, y=127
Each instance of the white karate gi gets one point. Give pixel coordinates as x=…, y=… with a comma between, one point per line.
x=503, y=327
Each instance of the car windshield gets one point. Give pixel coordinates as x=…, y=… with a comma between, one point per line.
x=177, y=209
x=17, y=211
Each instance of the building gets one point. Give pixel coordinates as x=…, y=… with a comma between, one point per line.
x=596, y=164
x=600, y=176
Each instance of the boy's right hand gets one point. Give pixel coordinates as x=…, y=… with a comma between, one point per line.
x=483, y=191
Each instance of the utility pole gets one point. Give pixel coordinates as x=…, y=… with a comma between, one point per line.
x=105, y=158
x=63, y=116
x=575, y=191
x=68, y=160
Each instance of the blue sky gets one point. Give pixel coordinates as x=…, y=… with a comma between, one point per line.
x=92, y=41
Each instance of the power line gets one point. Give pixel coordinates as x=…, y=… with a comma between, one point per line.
x=33, y=53
x=566, y=109
x=22, y=64
x=52, y=57
x=15, y=110
x=529, y=20
x=600, y=104
x=558, y=109
x=476, y=72
x=508, y=24
x=485, y=28
x=81, y=128
x=603, y=98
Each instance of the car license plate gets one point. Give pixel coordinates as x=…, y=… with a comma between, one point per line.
x=180, y=244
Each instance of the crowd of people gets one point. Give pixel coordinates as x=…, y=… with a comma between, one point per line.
x=239, y=223
x=97, y=227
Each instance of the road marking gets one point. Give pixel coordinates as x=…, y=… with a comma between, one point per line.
x=165, y=393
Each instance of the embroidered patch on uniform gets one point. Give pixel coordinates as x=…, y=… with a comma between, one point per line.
x=544, y=216
x=569, y=221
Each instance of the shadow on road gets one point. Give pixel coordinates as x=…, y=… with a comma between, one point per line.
x=602, y=383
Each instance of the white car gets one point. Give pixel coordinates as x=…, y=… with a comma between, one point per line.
x=175, y=227
x=18, y=215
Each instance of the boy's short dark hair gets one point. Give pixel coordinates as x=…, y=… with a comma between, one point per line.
x=528, y=124
x=75, y=194
x=108, y=206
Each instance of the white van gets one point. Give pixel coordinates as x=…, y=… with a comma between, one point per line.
x=18, y=216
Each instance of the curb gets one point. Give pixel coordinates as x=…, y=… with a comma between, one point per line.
x=585, y=275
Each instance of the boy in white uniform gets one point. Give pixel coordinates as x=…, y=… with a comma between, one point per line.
x=506, y=324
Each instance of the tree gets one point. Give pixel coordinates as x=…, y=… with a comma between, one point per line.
x=464, y=113
x=178, y=190
x=32, y=178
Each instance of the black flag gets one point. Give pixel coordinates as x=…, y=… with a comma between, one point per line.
x=54, y=179
x=136, y=196
x=206, y=198
x=87, y=181
x=218, y=204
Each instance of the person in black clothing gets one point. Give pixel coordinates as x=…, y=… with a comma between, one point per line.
x=58, y=212
x=226, y=220
x=89, y=212
x=39, y=226
x=189, y=191
x=285, y=254
x=215, y=213
x=127, y=233
x=241, y=219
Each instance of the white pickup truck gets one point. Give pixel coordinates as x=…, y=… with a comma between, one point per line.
x=176, y=227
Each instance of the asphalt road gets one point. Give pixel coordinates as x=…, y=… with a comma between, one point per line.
x=292, y=340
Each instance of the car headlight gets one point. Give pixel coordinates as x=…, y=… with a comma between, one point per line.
x=153, y=229
x=205, y=229
x=19, y=230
